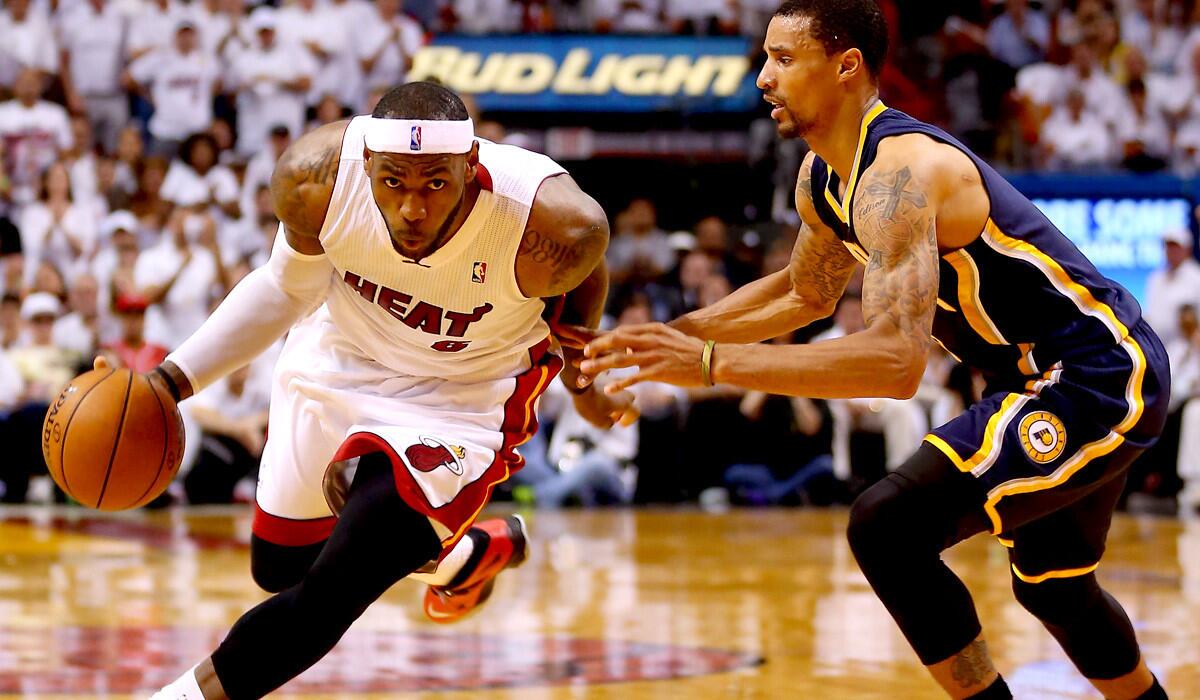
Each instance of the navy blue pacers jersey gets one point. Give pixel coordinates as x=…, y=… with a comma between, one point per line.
x=1024, y=306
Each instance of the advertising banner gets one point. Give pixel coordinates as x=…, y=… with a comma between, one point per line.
x=586, y=73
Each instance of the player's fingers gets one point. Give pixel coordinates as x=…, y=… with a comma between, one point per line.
x=611, y=360
x=573, y=336
x=101, y=362
x=628, y=417
x=625, y=382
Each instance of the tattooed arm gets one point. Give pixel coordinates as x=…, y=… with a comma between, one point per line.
x=894, y=214
x=783, y=301
x=562, y=252
x=265, y=304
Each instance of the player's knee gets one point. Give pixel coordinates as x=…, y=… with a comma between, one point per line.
x=276, y=568
x=876, y=516
x=1058, y=601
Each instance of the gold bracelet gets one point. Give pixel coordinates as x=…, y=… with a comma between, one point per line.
x=706, y=361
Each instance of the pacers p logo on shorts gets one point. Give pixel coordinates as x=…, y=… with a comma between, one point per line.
x=1043, y=436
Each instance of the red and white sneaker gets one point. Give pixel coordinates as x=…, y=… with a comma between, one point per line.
x=499, y=544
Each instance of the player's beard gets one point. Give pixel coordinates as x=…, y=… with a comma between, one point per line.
x=794, y=127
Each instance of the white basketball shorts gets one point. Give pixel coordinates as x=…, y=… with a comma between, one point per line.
x=450, y=443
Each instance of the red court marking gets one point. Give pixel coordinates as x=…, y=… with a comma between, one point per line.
x=102, y=660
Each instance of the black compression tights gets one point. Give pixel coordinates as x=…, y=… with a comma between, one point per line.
x=377, y=541
x=898, y=529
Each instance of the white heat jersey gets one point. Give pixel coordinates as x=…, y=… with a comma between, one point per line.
x=458, y=314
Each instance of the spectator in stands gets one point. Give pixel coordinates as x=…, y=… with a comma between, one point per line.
x=147, y=202
x=1144, y=137
x=92, y=34
x=232, y=415
x=482, y=16
x=45, y=368
x=628, y=16
x=116, y=256
x=181, y=275
x=10, y=321
x=712, y=239
x=261, y=166
x=197, y=169
x=35, y=132
x=901, y=423
x=705, y=17
x=129, y=154
x=1102, y=96
x=152, y=27
x=640, y=251
x=387, y=45
x=272, y=80
x=1074, y=138
x=83, y=329
x=1173, y=286
x=57, y=229
x=131, y=349
x=350, y=88
x=320, y=31
x=594, y=465
x=1019, y=36
x=787, y=449
x=180, y=81
x=26, y=41
x=694, y=270
x=1184, y=353
x=81, y=160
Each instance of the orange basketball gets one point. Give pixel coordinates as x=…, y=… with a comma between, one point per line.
x=113, y=440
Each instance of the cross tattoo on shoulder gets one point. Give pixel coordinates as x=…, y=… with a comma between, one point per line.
x=895, y=192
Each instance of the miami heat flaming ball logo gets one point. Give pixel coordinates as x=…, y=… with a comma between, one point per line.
x=1043, y=436
x=432, y=453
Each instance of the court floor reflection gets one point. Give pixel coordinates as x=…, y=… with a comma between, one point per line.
x=612, y=604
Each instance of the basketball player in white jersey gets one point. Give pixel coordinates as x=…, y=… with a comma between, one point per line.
x=413, y=264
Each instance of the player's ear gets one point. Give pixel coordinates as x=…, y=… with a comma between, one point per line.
x=851, y=65
x=367, y=160
x=472, y=161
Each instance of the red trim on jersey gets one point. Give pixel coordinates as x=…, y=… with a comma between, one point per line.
x=288, y=532
x=483, y=177
x=518, y=425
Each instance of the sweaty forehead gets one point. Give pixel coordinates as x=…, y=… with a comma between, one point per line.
x=791, y=34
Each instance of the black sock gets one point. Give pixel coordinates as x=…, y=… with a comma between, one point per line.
x=1155, y=692
x=998, y=690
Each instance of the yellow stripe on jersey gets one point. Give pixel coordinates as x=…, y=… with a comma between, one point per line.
x=848, y=198
x=1060, y=573
x=948, y=451
x=1081, y=459
x=1025, y=363
x=1082, y=298
x=1080, y=295
x=993, y=434
x=968, y=297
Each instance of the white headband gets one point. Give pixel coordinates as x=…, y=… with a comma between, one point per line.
x=419, y=136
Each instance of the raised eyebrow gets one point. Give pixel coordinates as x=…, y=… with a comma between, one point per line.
x=779, y=48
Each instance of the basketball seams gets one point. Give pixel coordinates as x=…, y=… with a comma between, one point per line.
x=62, y=448
x=116, y=440
x=162, y=411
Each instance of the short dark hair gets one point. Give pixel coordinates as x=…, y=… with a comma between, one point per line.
x=841, y=25
x=421, y=100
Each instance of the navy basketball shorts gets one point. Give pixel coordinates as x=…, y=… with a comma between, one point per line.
x=1052, y=454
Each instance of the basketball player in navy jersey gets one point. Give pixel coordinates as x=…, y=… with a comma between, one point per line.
x=1077, y=381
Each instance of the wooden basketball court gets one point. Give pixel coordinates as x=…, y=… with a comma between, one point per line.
x=612, y=604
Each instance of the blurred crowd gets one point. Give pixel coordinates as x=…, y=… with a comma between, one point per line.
x=138, y=137
x=1075, y=85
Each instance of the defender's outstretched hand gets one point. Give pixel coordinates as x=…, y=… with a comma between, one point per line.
x=661, y=353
